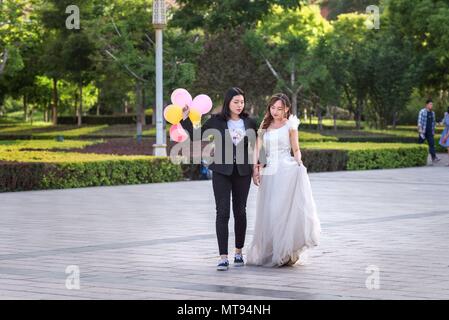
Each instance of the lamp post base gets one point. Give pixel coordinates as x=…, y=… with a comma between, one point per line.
x=160, y=150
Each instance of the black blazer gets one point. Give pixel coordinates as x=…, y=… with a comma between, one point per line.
x=216, y=121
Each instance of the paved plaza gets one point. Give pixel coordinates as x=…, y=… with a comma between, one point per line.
x=385, y=236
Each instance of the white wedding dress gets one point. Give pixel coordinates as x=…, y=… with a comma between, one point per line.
x=286, y=219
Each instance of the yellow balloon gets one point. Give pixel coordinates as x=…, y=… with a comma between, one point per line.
x=173, y=114
x=195, y=117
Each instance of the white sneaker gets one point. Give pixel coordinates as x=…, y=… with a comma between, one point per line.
x=223, y=265
x=238, y=260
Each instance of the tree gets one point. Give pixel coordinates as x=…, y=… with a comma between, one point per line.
x=123, y=33
x=319, y=84
x=393, y=76
x=53, y=63
x=13, y=33
x=21, y=84
x=70, y=50
x=219, y=15
x=347, y=59
x=235, y=66
x=338, y=7
x=425, y=24
x=285, y=40
x=20, y=43
x=76, y=54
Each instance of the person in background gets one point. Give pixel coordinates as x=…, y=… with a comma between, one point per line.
x=426, y=128
x=444, y=140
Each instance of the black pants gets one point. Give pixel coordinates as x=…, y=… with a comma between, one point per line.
x=224, y=186
x=430, y=139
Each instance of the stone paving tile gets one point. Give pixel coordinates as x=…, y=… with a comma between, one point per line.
x=136, y=242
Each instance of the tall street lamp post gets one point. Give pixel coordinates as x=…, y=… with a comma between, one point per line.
x=159, y=23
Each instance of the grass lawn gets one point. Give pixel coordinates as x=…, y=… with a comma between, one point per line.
x=40, y=151
x=48, y=131
x=330, y=122
x=63, y=157
x=411, y=132
x=17, y=145
x=356, y=145
x=313, y=136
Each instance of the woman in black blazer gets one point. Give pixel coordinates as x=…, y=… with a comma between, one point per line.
x=232, y=169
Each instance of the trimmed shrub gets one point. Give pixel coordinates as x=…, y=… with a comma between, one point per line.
x=314, y=137
x=15, y=176
x=367, y=156
x=387, y=158
x=314, y=126
x=20, y=176
x=123, y=119
x=35, y=170
x=349, y=157
x=378, y=139
x=324, y=160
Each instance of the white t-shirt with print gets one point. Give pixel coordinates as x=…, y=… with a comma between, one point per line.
x=236, y=130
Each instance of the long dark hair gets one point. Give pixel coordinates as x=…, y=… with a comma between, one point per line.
x=268, y=118
x=229, y=95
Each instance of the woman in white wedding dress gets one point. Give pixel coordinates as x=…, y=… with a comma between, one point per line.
x=286, y=219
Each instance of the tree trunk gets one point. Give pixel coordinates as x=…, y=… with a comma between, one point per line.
x=99, y=102
x=384, y=124
x=126, y=106
x=75, y=104
x=54, y=110
x=358, y=114
x=295, y=104
x=80, y=110
x=351, y=108
x=294, y=91
x=5, y=60
x=153, y=116
x=358, y=121
x=334, y=115
x=320, y=118
x=45, y=113
x=25, y=108
x=139, y=111
x=310, y=116
x=395, y=120
x=144, y=122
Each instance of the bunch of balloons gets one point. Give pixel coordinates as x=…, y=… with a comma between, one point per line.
x=173, y=113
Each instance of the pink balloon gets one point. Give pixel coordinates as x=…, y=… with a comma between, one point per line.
x=202, y=103
x=181, y=97
x=177, y=133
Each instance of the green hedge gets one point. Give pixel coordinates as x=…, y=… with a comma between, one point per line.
x=314, y=160
x=387, y=158
x=439, y=148
x=323, y=160
x=367, y=156
x=16, y=176
x=409, y=140
x=314, y=126
x=378, y=139
x=124, y=119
